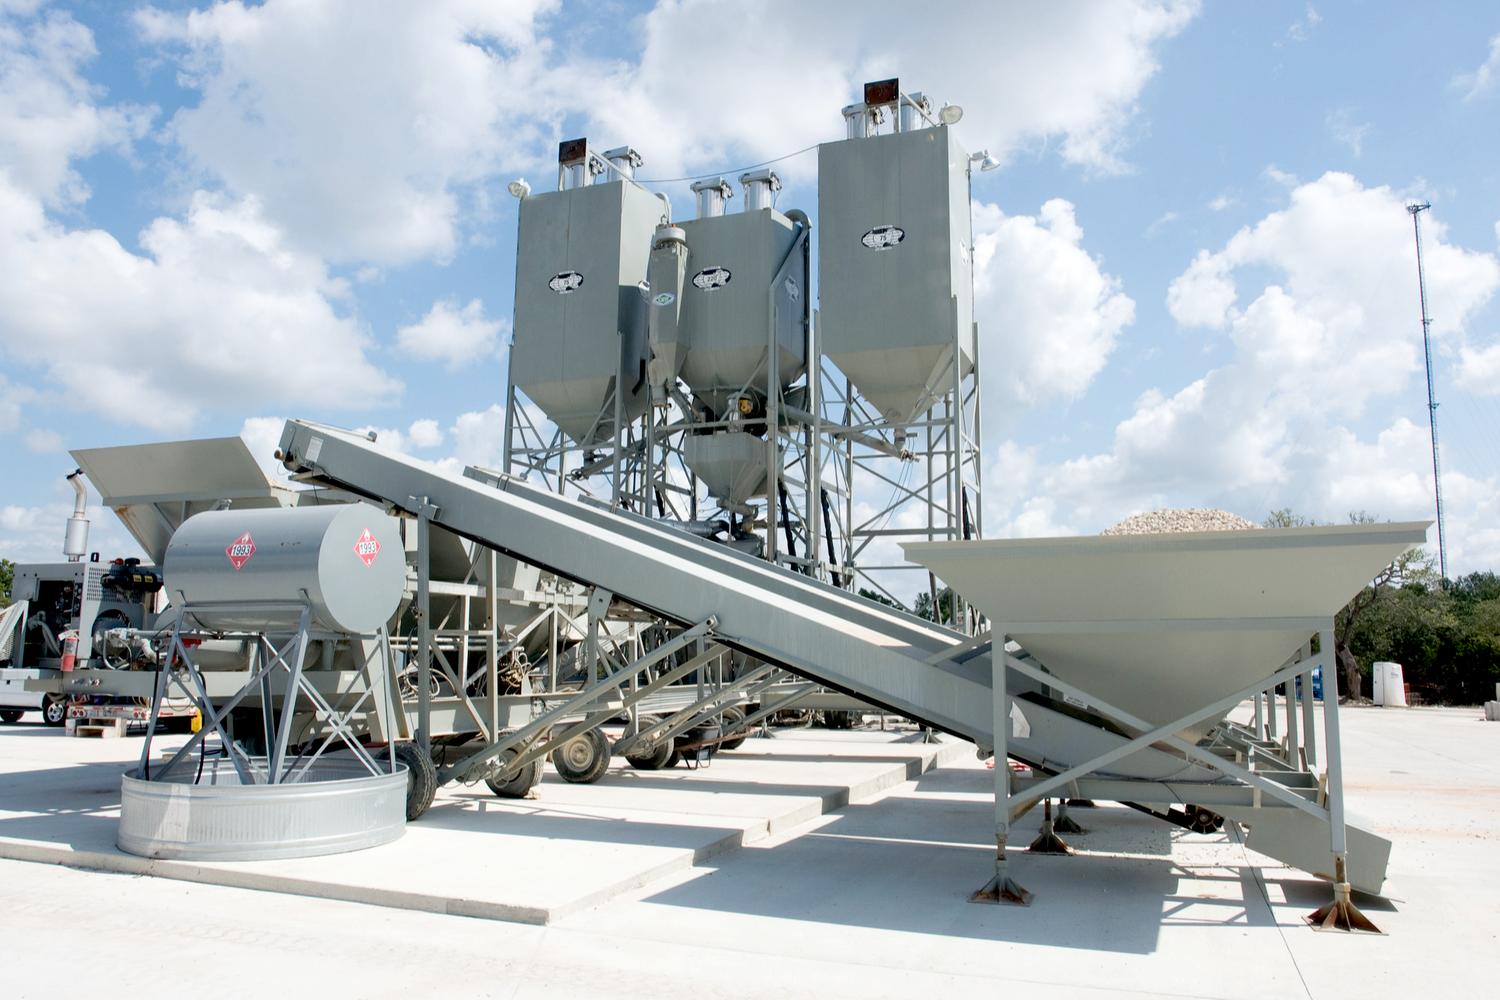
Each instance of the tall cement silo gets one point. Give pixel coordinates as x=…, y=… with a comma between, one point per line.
x=580, y=320
x=900, y=416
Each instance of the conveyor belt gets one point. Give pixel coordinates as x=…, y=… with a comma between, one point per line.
x=879, y=654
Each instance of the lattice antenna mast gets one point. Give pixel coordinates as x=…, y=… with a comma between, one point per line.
x=1437, y=480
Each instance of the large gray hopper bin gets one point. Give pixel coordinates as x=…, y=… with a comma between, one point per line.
x=155, y=487
x=895, y=278
x=581, y=262
x=1160, y=625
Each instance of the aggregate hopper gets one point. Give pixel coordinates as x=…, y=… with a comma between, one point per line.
x=1162, y=624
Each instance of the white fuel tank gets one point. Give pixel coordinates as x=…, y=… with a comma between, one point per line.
x=346, y=561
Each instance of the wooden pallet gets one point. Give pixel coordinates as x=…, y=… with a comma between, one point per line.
x=97, y=728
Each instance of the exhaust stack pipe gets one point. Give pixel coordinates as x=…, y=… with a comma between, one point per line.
x=76, y=541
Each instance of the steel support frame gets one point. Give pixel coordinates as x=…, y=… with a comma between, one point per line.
x=1331, y=809
x=289, y=656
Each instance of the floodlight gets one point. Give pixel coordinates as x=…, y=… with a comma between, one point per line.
x=950, y=114
x=985, y=160
x=519, y=188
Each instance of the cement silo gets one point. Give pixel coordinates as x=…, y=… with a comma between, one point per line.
x=896, y=295
x=580, y=320
x=729, y=317
x=900, y=415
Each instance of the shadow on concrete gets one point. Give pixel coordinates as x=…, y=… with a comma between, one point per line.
x=77, y=805
x=858, y=868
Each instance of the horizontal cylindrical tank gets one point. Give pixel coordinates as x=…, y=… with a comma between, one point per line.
x=895, y=270
x=346, y=561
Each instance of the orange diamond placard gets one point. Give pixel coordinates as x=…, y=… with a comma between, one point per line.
x=367, y=548
x=240, y=550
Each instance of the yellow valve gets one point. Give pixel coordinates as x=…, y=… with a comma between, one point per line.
x=197, y=722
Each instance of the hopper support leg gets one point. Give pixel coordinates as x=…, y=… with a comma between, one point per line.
x=1066, y=823
x=1048, y=842
x=1341, y=914
x=1001, y=888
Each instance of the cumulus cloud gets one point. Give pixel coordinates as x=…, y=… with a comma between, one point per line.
x=1044, y=306
x=362, y=126
x=457, y=337
x=233, y=317
x=421, y=434
x=1071, y=73
x=1483, y=79
x=1479, y=369
x=48, y=110
x=1313, y=355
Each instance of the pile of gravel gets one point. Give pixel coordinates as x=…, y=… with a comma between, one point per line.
x=1157, y=522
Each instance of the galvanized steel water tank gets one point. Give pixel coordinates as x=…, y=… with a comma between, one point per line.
x=346, y=561
x=895, y=272
x=581, y=261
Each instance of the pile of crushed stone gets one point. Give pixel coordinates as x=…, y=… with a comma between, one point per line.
x=1157, y=522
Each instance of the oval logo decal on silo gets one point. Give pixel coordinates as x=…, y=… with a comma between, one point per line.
x=883, y=237
x=568, y=281
x=792, y=290
x=711, y=278
x=367, y=548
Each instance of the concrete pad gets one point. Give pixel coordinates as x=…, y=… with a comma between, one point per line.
x=867, y=901
x=531, y=861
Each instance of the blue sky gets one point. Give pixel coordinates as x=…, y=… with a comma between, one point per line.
x=1196, y=281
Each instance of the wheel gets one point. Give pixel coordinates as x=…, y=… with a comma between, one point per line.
x=583, y=759
x=731, y=718
x=518, y=784
x=1204, y=820
x=55, y=711
x=654, y=759
x=697, y=745
x=11, y=715
x=421, y=778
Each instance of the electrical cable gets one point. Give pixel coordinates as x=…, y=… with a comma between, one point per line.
x=720, y=173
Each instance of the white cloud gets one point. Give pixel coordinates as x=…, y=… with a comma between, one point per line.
x=43, y=441
x=479, y=437
x=48, y=114
x=1483, y=79
x=1301, y=30
x=1344, y=131
x=363, y=126
x=1222, y=202
x=1479, y=369
x=262, y=435
x=1286, y=180
x=455, y=336
x=1073, y=73
x=425, y=434
x=1331, y=341
x=421, y=434
x=1048, y=314
x=223, y=314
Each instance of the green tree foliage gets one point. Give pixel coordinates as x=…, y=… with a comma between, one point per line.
x=7, y=577
x=1444, y=633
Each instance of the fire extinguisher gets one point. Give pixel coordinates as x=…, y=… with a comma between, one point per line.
x=69, y=649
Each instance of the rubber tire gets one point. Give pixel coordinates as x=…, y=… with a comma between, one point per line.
x=519, y=786
x=729, y=718
x=657, y=758
x=55, y=712
x=583, y=759
x=12, y=715
x=421, y=778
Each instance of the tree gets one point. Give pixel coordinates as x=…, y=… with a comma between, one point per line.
x=7, y=578
x=1413, y=567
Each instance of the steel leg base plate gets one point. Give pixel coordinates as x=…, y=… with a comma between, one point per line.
x=1002, y=890
x=1049, y=843
x=1342, y=914
x=1066, y=824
